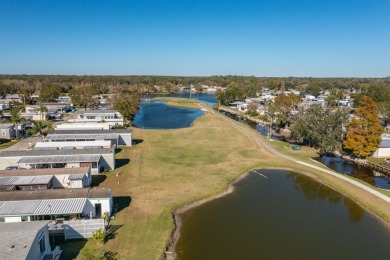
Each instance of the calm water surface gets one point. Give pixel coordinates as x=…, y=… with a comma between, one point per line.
x=358, y=171
x=203, y=97
x=158, y=115
x=284, y=216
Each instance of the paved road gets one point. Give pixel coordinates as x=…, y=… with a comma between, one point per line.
x=29, y=142
x=272, y=150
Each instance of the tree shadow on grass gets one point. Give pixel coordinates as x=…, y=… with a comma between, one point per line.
x=137, y=141
x=97, y=179
x=70, y=248
x=120, y=203
x=121, y=162
x=112, y=231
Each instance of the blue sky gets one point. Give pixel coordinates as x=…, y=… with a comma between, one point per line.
x=317, y=38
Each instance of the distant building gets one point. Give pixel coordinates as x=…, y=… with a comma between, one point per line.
x=7, y=131
x=83, y=126
x=110, y=117
x=384, y=148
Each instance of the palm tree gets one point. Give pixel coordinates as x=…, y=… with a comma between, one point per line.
x=15, y=117
x=42, y=110
x=37, y=127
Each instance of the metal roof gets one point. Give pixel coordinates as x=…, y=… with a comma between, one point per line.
x=25, y=153
x=95, y=111
x=87, y=137
x=62, y=145
x=20, y=237
x=60, y=159
x=385, y=143
x=74, y=177
x=25, y=180
x=5, y=126
x=42, y=207
x=55, y=194
x=90, y=131
x=48, y=171
x=61, y=206
x=13, y=208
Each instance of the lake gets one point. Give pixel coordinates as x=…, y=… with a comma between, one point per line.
x=158, y=115
x=283, y=215
x=203, y=97
x=358, y=171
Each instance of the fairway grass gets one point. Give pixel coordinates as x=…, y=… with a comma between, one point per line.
x=173, y=168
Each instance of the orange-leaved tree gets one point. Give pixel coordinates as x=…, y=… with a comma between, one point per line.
x=364, y=132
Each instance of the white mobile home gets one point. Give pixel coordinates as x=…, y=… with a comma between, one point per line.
x=83, y=126
x=60, y=177
x=110, y=117
x=98, y=159
x=26, y=240
x=384, y=148
x=87, y=203
x=116, y=136
x=72, y=145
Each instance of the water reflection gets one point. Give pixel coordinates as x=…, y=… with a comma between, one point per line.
x=279, y=217
x=357, y=171
x=317, y=191
x=158, y=115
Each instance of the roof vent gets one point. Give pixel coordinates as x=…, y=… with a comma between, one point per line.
x=12, y=247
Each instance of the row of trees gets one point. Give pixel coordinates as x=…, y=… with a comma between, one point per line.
x=147, y=84
x=329, y=129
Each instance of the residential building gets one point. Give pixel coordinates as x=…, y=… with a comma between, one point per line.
x=72, y=145
x=83, y=126
x=116, y=136
x=98, y=159
x=110, y=117
x=26, y=240
x=383, y=150
x=58, y=178
x=67, y=204
x=7, y=131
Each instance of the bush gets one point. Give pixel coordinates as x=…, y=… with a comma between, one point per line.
x=99, y=236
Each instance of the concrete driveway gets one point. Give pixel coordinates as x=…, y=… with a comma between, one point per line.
x=28, y=142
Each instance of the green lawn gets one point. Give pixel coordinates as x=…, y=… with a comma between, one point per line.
x=172, y=168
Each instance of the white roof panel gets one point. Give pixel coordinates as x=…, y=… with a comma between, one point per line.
x=61, y=206
x=61, y=159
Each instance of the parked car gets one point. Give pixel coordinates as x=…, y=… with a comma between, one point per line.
x=12, y=168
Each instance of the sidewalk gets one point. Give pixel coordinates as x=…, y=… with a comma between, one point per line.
x=272, y=150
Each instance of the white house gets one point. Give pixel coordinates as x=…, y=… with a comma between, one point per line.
x=83, y=126
x=110, y=117
x=7, y=131
x=57, y=177
x=98, y=159
x=384, y=148
x=72, y=145
x=67, y=204
x=116, y=136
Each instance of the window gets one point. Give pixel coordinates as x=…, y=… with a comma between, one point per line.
x=94, y=165
x=42, y=244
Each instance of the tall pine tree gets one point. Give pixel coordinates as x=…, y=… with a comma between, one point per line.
x=364, y=132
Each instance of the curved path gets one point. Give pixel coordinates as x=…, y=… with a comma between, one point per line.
x=272, y=150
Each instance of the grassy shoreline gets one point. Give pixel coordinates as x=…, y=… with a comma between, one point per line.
x=172, y=168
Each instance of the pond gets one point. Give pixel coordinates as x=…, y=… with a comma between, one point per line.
x=358, y=171
x=203, y=97
x=158, y=115
x=277, y=214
